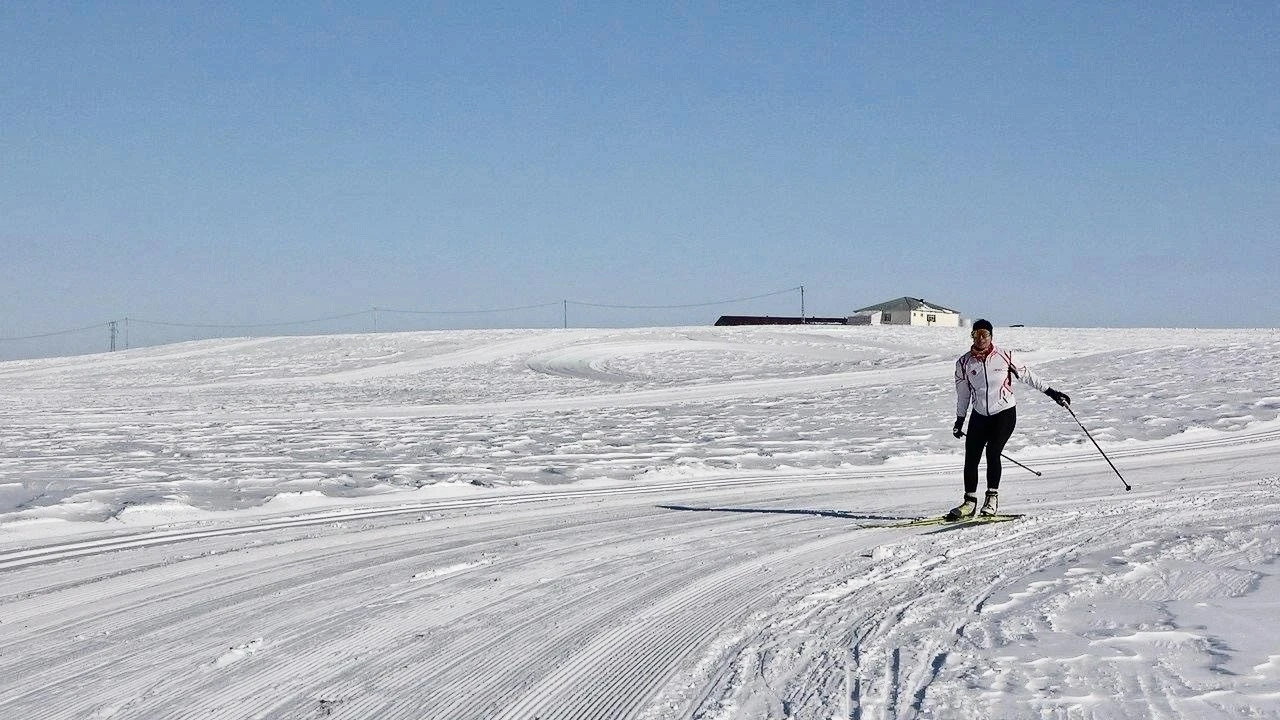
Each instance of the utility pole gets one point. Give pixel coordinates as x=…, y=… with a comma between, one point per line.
x=112, y=331
x=566, y=314
x=802, y=320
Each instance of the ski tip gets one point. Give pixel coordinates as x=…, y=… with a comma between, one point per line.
x=944, y=520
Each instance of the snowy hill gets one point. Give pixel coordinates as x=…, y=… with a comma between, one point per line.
x=649, y=523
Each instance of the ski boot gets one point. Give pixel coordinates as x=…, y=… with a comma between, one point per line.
x=991, y=504
x=964, y=509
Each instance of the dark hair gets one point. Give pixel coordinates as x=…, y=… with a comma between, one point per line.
x=981, y=324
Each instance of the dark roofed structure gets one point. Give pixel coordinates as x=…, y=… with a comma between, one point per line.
x=734, y=320
x=907, y=303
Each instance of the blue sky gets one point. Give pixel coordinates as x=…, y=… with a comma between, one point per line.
x=1086, y=164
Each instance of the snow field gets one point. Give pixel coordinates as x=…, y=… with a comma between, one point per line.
x=654, y=523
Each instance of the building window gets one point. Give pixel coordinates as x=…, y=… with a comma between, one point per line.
x=887, y=317
x=931, y=319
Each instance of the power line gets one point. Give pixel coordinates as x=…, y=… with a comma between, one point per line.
x=587, y=304
x=112, y=326
x=466, y=312
x=249, y=326
x=691, y=305
x=96, y=326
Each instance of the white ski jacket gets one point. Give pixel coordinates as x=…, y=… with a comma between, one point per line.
x=988, y=383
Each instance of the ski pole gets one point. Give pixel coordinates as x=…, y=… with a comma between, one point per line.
x=1095, y=444
x=1015, y=462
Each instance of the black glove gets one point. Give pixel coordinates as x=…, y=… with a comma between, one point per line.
x=955, y=429
x=1061, y=398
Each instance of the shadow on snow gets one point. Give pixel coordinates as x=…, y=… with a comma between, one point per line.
x=775, y=511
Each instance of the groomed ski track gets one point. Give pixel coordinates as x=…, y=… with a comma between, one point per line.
x=775, y=595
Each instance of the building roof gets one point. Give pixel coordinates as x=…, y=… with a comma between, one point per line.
x=907, y=303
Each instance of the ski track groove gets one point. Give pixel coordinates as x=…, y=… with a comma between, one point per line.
x=130, y=613
x=245, y=590
x=543, y=653
x=672, y=609
x=21, y=557
x=585, y=669
x=594, y=664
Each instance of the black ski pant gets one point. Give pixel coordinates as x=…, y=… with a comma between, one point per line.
x=991, y=432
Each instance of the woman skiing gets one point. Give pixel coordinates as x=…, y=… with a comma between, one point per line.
x=984, y=378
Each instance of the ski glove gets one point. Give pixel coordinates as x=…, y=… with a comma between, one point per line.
x=955, y=429
x=1061, y=398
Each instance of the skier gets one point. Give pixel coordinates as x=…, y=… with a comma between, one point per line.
x=984, y=377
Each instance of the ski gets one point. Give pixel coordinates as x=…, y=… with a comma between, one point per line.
x=944, y=520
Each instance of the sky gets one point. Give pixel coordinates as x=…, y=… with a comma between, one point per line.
x=1098, y=164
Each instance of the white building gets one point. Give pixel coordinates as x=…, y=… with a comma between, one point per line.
x=906, y=311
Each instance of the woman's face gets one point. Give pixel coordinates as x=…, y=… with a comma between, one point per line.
x=982, y=339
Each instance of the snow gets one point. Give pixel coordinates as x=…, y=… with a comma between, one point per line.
x=643, y=523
